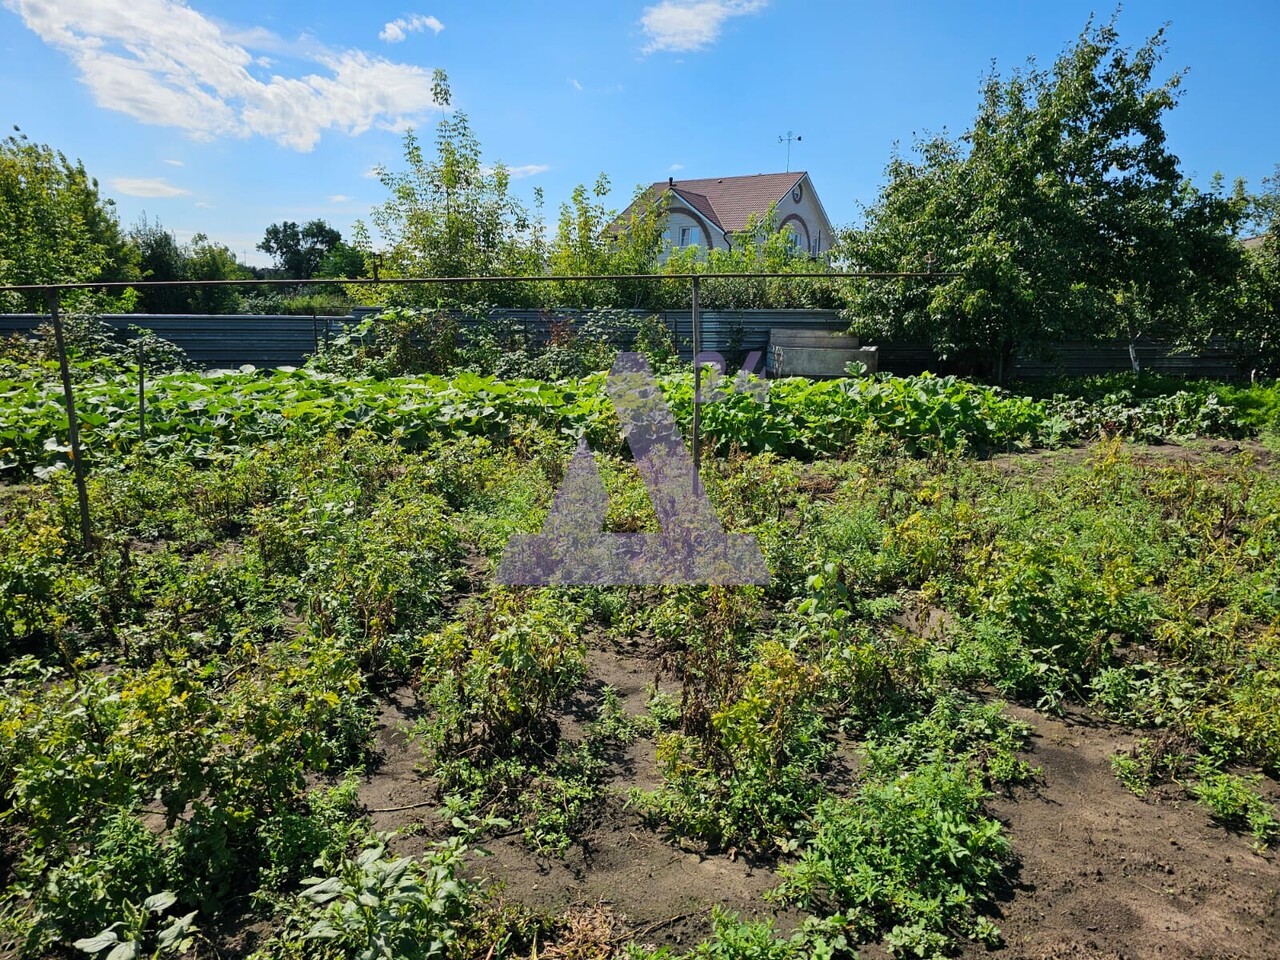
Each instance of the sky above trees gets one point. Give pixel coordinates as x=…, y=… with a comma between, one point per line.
x=224, y=116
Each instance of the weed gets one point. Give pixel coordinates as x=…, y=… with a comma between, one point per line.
x=1150, y=762
x=1235, y=802
x=911, y=854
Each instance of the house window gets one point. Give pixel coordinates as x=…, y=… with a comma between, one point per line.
x=686, y=236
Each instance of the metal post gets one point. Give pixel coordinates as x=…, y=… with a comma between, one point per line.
x=142, y=390
x=697, y=384
x=73, y=425
x=315, y=334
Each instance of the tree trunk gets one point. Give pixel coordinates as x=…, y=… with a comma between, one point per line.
x=1133, y=351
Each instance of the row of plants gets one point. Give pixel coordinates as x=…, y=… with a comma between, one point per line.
x=198, y=416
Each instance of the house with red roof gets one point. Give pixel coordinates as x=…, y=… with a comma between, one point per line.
x=707, y=213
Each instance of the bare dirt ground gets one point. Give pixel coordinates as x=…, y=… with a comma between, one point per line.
x=1100, y=874
x=1105, y=874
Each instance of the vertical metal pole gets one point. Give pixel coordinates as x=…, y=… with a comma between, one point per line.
x=697, y=384
x=315, y=334
x=53, y=298
x=142, y=390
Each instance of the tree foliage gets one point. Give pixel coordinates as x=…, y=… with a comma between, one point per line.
x=1062, y=211
x=343, y=261
x=208, y=260
x=299, y=251
x=162, y=258
x=450, y=215
x=1255, y=325
x=54, y=226
x=591, y=239
x=760, y=247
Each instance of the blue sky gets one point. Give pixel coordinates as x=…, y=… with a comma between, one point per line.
x=226, y=115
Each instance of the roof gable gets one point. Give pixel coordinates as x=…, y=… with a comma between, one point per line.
x=728, y=202
x=735, y=199
x=700, y=202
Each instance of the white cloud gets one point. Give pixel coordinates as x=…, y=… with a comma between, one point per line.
x=175, y=163
x=575, y=84
x=205, y=205
x=339, y=198
x=679, y=26
x=675, y=167
x=397, y=30
x=527, y=170
x=520, y=172
x=147, y=187
x=373, y=172
x=164, y=63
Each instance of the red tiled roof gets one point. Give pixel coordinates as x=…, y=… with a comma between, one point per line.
x=698, y=201
x=729, y=201
x=734, y=199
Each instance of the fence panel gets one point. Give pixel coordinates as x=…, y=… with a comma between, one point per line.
x=231, y=340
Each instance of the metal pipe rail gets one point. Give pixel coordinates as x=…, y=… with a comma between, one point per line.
x=417, y=281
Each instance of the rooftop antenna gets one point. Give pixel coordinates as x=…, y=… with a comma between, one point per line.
x=787, y=140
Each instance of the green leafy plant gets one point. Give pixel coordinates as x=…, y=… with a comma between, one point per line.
x=376, y=906
x=124, y=939
x=912, y=854
x=495, y=675
x=1150, y=762
x=1234, y=801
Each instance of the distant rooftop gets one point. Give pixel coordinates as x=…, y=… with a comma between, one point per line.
x=728, y=202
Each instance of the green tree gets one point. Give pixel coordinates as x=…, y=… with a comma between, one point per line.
x=299, y=251
x=344, y=261
x=1062, y=212
x=207, y=260
x=54, y=225
x=160, y=258
x=1255, y=325
x=760, y=247
x=451, y=215
x=590, y=239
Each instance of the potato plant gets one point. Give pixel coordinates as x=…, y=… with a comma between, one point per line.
x=192, y=713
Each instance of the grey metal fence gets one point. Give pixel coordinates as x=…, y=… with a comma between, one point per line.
x=224, y=341
x=228, y=341
x=232, y=340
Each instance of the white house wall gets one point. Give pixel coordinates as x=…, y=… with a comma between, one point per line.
x=677, y=218
x=812, y=223
x=810, y=212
